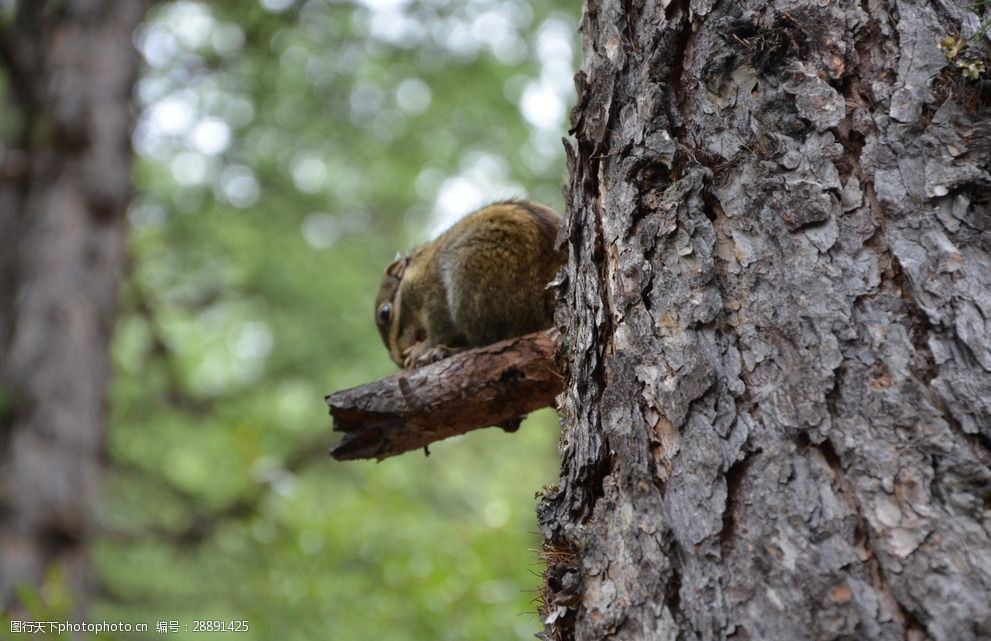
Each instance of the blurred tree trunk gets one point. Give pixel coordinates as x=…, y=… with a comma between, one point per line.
x=776, y=328
x=64, y=185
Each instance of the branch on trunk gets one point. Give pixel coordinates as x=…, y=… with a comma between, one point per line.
x=494, y=385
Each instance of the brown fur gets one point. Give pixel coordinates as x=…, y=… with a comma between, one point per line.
x=481, y=281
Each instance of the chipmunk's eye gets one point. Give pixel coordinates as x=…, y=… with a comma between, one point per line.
x=384, y=313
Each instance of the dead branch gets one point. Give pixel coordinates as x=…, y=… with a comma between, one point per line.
x=488, y=386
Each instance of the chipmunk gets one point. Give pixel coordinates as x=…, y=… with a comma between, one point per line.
x=483, y=280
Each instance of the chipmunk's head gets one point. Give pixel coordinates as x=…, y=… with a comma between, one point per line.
x=387, y=308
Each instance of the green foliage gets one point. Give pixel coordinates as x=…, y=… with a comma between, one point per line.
x=287, y=151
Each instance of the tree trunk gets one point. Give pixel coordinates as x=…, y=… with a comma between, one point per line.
x=64, y=186
x=776, y=322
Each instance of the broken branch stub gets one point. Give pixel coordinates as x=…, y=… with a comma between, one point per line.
x=488, y=386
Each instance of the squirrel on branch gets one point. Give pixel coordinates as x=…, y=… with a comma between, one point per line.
x=481, y=281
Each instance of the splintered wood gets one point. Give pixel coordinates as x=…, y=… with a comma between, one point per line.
x=496, y=385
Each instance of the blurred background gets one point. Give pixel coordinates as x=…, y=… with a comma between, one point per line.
x=286, y=151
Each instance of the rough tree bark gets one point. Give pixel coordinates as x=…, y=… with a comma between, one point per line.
x=776, y=327
x=68, y=67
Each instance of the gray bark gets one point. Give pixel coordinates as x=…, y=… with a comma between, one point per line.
x=776, y=326
x=64, y=186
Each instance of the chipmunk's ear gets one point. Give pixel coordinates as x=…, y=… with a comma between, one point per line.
x=397, y=267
